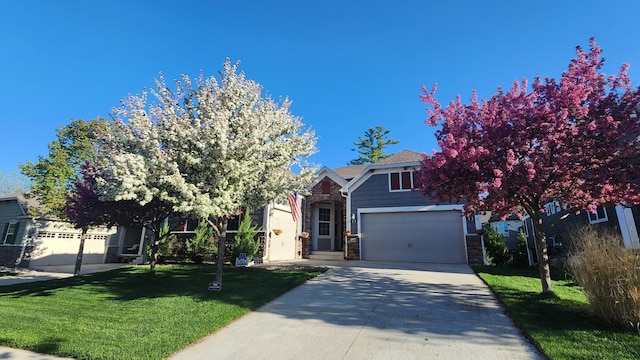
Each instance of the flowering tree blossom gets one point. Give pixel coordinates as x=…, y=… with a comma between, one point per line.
x=208, y=148
x=84, y=207
x=572, y=141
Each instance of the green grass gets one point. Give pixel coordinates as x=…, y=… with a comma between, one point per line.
x=129, y=314
x=7, y=273
x=559, y=323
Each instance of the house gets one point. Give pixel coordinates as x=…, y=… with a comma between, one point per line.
x=371, y=212
x=558, y=222
x=32, y=242
x=279, y=235
x=28, y=241
x=508, y=227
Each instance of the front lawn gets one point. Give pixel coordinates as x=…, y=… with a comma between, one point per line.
x=559, y=324
x=128, y=314
x=7, y=273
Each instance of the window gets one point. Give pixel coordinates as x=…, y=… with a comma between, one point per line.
x=324, y=221
x=10, y=233
x=599, y=216
x=552, y=208
x=186, y=226
x=401, y=181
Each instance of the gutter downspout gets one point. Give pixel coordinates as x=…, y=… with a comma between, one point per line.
x=347, y=225
x=484, y=252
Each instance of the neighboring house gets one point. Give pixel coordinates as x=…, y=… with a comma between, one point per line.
x=371, y=212
x=33, y=242
x=509, y=228
x=559, y=222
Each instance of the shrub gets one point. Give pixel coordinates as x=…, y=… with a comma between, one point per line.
x=609, y=275
x=202, y=246
x=172, y=248
x=496, y=247
x=521, y=255
x=245, y=239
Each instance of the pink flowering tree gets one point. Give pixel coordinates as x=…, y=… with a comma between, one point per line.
x=85, y=208
x=574, y=141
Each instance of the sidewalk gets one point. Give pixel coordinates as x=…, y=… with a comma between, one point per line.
x=51, y=272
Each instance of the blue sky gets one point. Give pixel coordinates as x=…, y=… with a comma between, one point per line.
x=346, y=65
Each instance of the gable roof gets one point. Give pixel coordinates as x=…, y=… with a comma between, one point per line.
x=325, y=171
x=401, y=157
x=349, y=172
x=24, y=202
x=404, y=156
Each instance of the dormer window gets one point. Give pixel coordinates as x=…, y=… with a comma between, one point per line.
x=401, y=181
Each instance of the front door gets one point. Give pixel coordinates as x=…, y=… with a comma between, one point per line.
x=323, y=234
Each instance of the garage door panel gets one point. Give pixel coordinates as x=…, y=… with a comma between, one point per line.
x=428, y=236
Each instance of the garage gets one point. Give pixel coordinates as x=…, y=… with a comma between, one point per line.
x=413, y=236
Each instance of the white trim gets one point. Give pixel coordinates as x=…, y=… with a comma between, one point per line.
x=316, y=222
x=13, y=233
x=326, y=172
x=427, y=208
x=412, y=209
x=401, y=189
x=266, y=226
x=373, y=170
x=627, y=227
x=598, y=219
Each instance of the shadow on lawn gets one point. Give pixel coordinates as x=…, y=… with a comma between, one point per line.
x=136, y=282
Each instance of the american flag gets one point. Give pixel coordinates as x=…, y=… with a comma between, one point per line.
x=294, y=204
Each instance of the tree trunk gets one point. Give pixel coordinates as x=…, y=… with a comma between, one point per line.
x=543, y=256
x=154, y=252
x=222, y=240
x=83, y=237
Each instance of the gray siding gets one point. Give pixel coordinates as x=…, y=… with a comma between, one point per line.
x=374, y=192
x=10, y=211
x=562, y=224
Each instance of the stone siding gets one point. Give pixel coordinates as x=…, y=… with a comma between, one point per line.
x=474, y=250
x=352, y=248
x=10, y=254
x=317, y=196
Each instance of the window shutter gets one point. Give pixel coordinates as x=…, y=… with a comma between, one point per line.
x=326, y=186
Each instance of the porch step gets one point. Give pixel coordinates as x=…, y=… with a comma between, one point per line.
x=326, y=255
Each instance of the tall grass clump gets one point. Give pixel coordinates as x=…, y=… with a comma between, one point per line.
x=609, y=274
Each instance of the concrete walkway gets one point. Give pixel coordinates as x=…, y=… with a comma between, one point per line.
x=372, y=310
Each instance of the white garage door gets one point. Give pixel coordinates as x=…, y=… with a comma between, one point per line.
x=421, y=236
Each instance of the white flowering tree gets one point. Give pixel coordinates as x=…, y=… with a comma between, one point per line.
x=208, y=147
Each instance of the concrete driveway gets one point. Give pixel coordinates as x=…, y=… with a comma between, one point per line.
x=374, y=310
